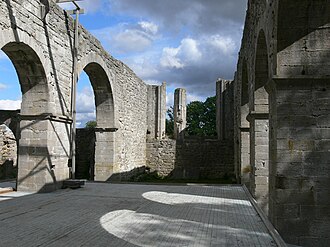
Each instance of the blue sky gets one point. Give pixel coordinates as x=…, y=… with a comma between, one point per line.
x=186, y=43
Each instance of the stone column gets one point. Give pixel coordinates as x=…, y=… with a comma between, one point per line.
x=223, y=107
x=180, y=113
x=259, y=157
x=219, y=91
x=161, y=111
x=104, y=155
x=156, y=113
x=299, y=159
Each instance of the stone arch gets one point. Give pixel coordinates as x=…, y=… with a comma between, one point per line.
x=36, y=172
x=261, y=74
x=105, y=151
x=32, y=77
x=259, y=125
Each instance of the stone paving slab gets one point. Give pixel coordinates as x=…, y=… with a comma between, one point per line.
x=133, y=215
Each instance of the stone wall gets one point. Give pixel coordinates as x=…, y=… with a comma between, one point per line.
x=37, y=36
x=156, y=113
x=281, y=87
x=85, y=153
x=191, y=158
x=8, y=153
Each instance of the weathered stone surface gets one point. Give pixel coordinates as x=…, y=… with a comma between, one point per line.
x=180, y=113
x=40, y=45
x=8, y=153
x=191, y=158
x=283, y=77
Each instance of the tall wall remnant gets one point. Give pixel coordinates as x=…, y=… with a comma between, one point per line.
x=39, y=44
x=180, y=113
x=224, y=114
x=194, y=157
x=156, y=114
x=282, y=118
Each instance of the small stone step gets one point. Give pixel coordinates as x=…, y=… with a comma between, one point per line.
x=73, y=183
x=6, y=190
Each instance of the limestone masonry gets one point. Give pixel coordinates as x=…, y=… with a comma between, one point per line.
x=282, y=115
x=273, y=119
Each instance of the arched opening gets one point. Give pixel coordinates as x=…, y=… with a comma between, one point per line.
x=85, y=132
x=101, y=166
x=33, y=161
x=245, y=168
x=259, y=127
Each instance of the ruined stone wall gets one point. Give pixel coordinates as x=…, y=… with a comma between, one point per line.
x=10, y=118
x=8, y=153
x=191, y=158
x=41, y=49
x=284, y=70
x=156, y=113
x=85, y=156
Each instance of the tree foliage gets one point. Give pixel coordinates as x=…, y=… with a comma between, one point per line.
x=201, y=118
x=91, y=124
x=170, y=123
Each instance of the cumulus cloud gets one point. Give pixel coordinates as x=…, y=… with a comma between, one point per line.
x=85, y=106
x=202, y=16
x=181, y=56
x=149, y=27
x=127, y=38
x=2, y=86
x=85, y=100
x=125, y=41
x=10, y=104
x=187, y=43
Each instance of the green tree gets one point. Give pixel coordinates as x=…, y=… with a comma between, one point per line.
x=201, y=118
x=91, y=124
x=170, y=123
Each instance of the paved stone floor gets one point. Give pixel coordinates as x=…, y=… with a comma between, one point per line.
x=132, y=215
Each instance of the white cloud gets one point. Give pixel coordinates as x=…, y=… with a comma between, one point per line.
x=10, y=104
x=169, y=99
x=126, y=38
x=85, y=101
x=192, y=97
x=131, y=41
x=169, y=58
x=149, y=27
x=182, y=56
x=188, y=50
x=188, y=45
x=3, y=86
x=226, y=45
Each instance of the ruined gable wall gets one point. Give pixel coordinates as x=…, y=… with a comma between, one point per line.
x=51, y=39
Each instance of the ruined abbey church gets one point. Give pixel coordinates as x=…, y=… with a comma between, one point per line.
x=273, y=119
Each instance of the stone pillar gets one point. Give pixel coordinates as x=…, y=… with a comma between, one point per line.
x=245, y=167
x=259, y=158
x=299, y=160
x=156, y=113
x=161, y=112
x=223, y=108
x=219, y=90
x=104, y=158
x=42, y=159
x=180, y=113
